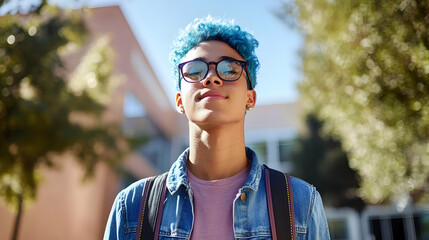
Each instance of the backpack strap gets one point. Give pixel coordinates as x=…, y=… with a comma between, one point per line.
x=282, y=220
x=151, y=207
x=278, y=187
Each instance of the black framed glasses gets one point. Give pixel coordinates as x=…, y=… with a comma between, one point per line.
x=227, y=69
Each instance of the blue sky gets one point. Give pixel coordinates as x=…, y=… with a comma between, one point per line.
x=156, y=24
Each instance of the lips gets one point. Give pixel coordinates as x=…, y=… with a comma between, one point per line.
x=212, y=95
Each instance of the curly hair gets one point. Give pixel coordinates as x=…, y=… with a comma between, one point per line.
x=209, y=28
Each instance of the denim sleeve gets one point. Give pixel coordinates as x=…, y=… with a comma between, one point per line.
x=317, y=224
x=114, y=227
x=122, y=222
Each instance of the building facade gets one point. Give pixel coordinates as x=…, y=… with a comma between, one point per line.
x=68, y=208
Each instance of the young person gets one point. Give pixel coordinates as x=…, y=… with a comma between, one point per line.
x=216, y=188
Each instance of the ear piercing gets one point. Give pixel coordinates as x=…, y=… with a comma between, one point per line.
x=248, y=108
x=181, y=110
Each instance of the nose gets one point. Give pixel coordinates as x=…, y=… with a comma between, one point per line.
x=212, y=78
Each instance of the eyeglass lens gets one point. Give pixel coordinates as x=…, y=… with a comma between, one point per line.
x=226, y=69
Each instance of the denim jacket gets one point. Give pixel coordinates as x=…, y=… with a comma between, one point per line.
x=251, y=220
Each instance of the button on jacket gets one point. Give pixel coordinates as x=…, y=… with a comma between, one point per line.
x=251, y=220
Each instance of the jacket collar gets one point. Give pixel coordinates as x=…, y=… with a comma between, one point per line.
x=177, y=175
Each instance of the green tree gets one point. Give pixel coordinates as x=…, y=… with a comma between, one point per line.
x=43, y=113
x=366, y=75
x=320, y=160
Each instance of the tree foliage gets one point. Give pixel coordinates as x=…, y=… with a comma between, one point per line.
x=366, y=74
x=43, y=113
x=316, y=157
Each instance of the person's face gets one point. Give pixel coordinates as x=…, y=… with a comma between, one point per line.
x=213, y=101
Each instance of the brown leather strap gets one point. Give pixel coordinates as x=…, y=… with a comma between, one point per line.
x=280, y=205
x=270, y=205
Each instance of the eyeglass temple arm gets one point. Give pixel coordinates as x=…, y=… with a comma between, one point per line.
x=249, y=81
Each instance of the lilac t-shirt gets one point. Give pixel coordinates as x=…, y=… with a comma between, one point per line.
x=213, y=201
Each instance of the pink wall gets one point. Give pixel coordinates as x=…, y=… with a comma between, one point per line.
x=66, y=207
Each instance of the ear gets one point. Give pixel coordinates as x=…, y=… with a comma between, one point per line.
x=179, y=103
x=251, y=98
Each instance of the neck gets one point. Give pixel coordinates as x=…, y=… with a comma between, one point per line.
x=218, y=152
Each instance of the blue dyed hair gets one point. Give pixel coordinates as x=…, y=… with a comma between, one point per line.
x=209, y=28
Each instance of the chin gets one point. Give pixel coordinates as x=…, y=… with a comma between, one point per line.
x=214, y=118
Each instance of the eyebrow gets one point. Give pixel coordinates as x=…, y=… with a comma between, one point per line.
x=218, y=60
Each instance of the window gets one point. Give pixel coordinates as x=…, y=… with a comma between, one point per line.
x=422, y=226
x=338, y=229
x=285, y=150
x=394, y=227
x=132, y=106
x=156, y=150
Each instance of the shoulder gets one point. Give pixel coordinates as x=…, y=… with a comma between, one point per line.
x=124, y=213
x=130, y=197
x=301, y=189
x=133, y=191
x=128, y=200
x=308, y=207
x=304, y=196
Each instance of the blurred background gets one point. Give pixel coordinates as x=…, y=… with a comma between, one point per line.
x=87, y=107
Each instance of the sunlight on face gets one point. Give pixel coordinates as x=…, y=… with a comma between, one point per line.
x=213, y=101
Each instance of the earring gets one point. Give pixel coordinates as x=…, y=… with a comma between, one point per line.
x=182, y=110
x=248, y=108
